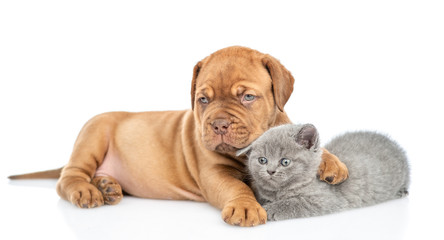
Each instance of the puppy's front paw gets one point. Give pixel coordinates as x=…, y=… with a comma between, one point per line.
x=85, y=195
x=331, y=169
x=244, y=212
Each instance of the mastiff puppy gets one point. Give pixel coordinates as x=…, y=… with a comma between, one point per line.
x=237, y=94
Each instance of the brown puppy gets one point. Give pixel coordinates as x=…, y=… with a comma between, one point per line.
x=237, y=94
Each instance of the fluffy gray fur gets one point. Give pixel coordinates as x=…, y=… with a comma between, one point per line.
x=378, y=171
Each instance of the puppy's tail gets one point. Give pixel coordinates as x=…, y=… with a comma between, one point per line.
x=54, y=174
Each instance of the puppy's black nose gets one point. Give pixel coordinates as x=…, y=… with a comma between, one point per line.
x=271, y=172
x=220, y=126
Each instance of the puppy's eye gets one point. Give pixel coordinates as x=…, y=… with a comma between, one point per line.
x=249, y=97
x=285, y=162
x=203, y=100
x=263, y=160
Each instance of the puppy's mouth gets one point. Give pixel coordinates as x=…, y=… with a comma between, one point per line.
x=223, y=143
x=224, y=148
x=235, y=138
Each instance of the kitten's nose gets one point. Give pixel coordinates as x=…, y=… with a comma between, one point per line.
x=271, y=172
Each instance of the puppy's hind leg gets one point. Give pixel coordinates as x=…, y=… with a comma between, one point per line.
x=89, y=151
x=110, y=189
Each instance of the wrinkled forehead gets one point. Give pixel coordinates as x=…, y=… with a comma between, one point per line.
x=233, y=72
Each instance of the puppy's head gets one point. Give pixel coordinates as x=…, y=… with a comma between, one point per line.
x=237, y=94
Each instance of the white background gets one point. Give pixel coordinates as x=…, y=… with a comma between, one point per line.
x=376, y=65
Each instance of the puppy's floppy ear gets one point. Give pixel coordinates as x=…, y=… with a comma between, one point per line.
x=245, y=151
x=308, y=137
x=282, y=80
x=193, y=82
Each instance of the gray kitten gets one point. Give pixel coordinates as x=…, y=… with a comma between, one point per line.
x=283, y=163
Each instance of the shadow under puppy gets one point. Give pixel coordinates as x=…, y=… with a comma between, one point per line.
x=283, y=163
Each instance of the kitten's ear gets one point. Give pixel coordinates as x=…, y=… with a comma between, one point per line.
x=245, y=151
x=308, y=137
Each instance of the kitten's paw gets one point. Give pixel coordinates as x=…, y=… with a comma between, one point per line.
x=270, y=212
x=110, y=188
x=244, y=212
x=332, y=170
x=276, y=212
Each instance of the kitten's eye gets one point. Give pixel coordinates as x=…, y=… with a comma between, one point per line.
x=203, y=100
x=249, y=97
x=285, y=162
x=263, y=160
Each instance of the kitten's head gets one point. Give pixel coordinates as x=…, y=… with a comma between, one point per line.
x=283, y=155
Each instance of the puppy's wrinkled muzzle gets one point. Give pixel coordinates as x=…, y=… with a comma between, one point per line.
x=221, y=126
